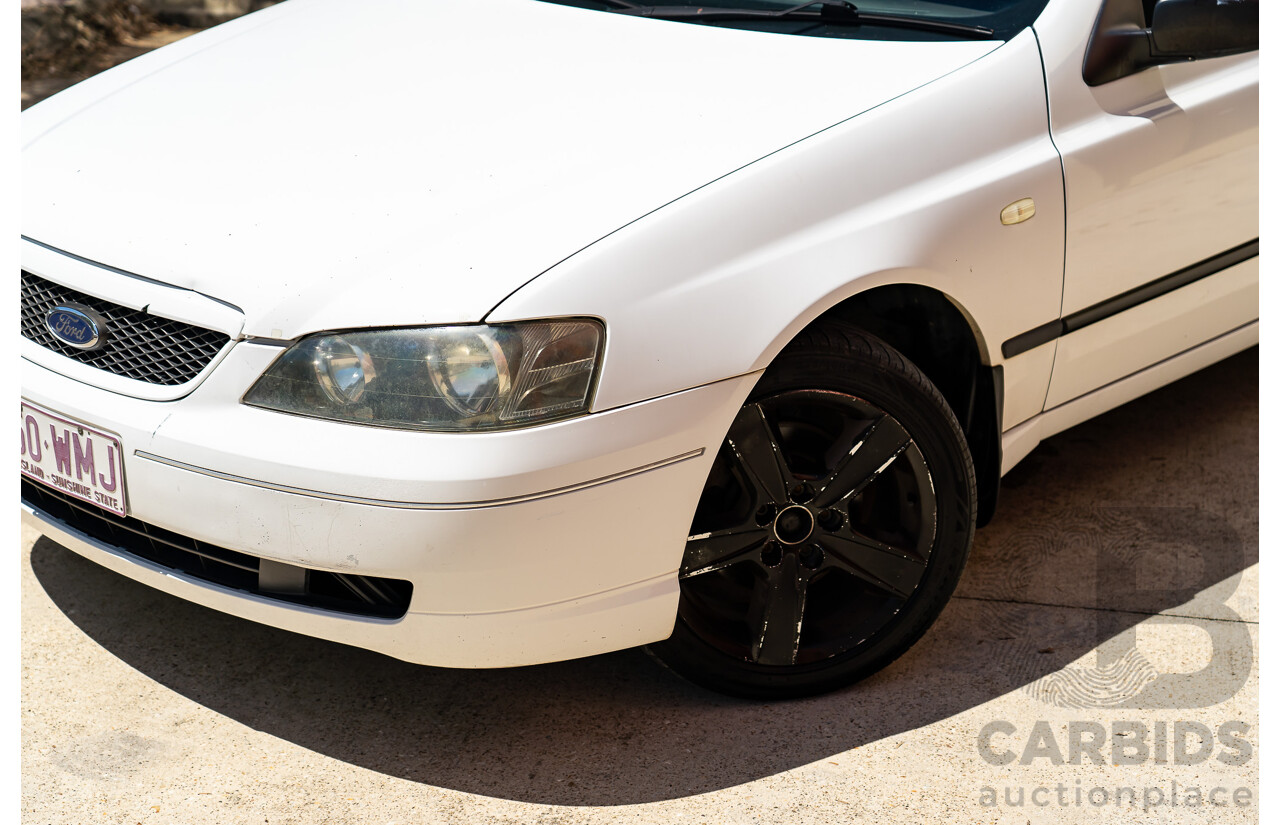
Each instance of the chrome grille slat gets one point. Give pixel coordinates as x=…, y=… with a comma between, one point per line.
x=140, y=345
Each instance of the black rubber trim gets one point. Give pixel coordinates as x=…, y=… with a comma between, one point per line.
x=1053, y=330
x=1031, y=339
x=987, y=450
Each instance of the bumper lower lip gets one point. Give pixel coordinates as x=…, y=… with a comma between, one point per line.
x=627, y=616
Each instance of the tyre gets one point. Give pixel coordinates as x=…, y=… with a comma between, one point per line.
x=833, y=527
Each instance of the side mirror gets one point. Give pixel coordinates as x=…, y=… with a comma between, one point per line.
x=1122, y=44
x=1204, y=28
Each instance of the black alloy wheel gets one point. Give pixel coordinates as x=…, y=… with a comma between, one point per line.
x=834, y=524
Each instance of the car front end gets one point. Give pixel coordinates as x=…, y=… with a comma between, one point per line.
x=471, y=549
x=425, y=367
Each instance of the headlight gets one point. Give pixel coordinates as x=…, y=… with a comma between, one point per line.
x=438, y=378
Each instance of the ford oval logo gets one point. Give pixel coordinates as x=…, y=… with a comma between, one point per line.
x=78, y=326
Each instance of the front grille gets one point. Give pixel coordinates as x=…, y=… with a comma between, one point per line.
x=140, y=346
x=339, y=592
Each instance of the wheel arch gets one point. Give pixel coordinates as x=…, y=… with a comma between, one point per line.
x=933, y=330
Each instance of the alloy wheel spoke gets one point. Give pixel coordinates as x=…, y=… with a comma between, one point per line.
x=707, y=552
x=785, y=528
x=756, y=449
x=777, y=614
x=891, y=569
x=872, y=453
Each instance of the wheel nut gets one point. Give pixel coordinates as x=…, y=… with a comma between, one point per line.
x=830, y=520
x=802, y=492
x=811, y=557
x=766, y=514
x=771, y=554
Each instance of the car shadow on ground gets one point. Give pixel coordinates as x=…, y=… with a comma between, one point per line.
x=1151, y=507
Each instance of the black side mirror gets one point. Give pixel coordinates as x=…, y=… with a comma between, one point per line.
x=1204, y=28
x=1122, y=44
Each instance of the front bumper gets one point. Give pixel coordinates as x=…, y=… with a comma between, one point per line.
x=522, y=547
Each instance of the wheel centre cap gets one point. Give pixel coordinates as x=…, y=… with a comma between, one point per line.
x=793, y=525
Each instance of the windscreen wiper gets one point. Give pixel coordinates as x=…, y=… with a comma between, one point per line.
x=831, y=12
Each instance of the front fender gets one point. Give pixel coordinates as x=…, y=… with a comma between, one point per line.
x=715, y=283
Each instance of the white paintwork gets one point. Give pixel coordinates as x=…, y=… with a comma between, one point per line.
x=1026, y=381
x=136, y=293
x=754, y=257
x=428, y=180
x=705, y=192
x=1161, y=166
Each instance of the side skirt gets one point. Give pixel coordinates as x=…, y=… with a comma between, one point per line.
x=1022, y=439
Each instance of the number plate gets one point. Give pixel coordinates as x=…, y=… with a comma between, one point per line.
x=74, y=458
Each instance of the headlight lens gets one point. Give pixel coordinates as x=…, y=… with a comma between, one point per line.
x=483, y=377
x=469, y=370
x=343, y=370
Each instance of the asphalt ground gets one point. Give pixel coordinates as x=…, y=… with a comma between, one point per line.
x=1098, y=663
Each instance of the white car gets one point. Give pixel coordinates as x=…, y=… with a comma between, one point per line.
x=490, y=334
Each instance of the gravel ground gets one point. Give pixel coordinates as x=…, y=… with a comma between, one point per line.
x=1116, y=590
